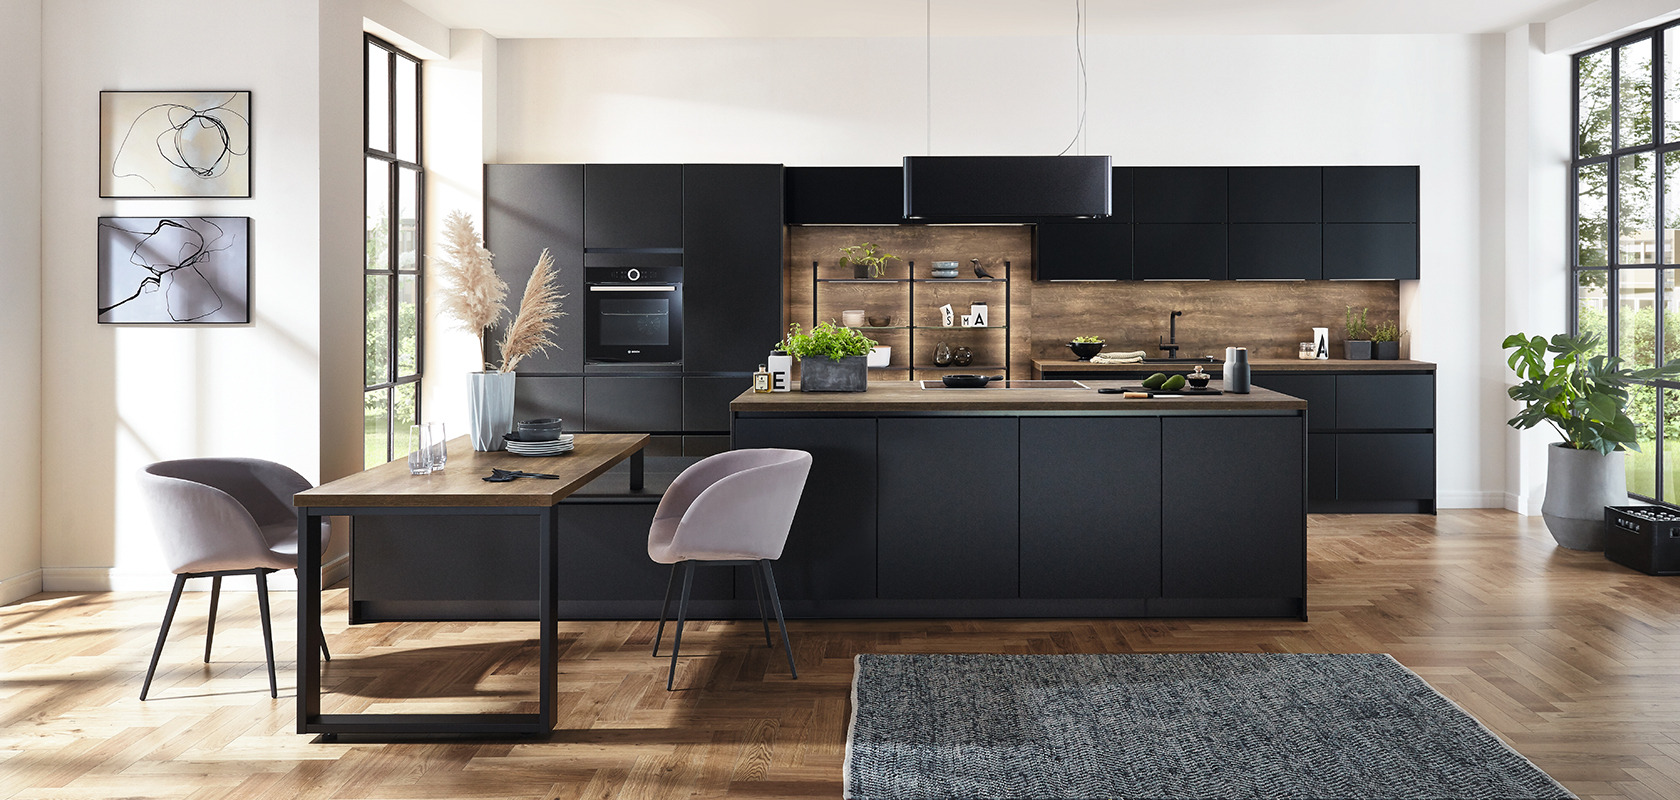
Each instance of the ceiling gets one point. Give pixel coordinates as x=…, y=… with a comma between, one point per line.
x=515, y=19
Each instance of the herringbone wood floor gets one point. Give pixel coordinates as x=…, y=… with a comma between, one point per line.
x=1575, y=661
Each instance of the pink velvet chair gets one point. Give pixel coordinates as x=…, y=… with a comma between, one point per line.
x=217, y=517
x=731, y=509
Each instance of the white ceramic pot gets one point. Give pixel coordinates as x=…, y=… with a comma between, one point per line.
x=1579, y=484
x=490, y=405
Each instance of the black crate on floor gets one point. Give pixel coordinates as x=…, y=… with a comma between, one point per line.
x=1646, y=538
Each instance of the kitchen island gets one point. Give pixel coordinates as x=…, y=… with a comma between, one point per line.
x=1039, y=502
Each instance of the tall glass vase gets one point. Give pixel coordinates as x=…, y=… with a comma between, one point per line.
x=490, y=403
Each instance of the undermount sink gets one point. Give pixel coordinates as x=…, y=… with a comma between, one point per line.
x=1187, y=360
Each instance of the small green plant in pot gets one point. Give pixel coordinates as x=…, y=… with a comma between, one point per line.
x=1385, y=340
x=1356, y=345
x=866, y=260
x=1584, y=398
x=832, y=358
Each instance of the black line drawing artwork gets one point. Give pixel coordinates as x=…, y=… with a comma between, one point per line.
x=175, y=144
x=174, y=269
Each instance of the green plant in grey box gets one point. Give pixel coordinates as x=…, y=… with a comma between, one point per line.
x=866, y=260
x=1385, y=340
x=832, y=358
x=1356, y=345
x=1584, y=397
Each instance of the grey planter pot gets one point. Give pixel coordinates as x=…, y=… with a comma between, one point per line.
x=1579, y=484
x=1357, y=349
x=1387, y=351
x=820, y=374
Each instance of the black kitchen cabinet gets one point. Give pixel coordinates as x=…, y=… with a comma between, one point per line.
x=1274, y=251
x=1318, y=390
x=1385, y=466
x=633, y=206
x=1082, y=251
x=529, y=208
x=1179, y=252
x=1385, y=402
x=706, y=401
x=1232, y=497
x=844, y=195
x=831, y=548
x=1277, y=194
x=732, y=266
x=643, y=404
x=1371, y=250
x=1371, y=194
x=1079, y=541
x=542, y=397
x=948, y=529
x=1321, y=467
x=1179, y=194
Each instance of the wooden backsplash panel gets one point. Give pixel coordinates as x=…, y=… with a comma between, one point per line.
x=1270, y=318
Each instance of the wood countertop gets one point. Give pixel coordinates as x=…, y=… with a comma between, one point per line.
x=909, y=396
x=1257, y=365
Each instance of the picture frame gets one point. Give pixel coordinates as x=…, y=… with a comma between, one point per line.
x=174, y=270
x=174, y=144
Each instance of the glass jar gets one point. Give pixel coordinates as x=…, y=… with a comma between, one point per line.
x=1306, y=351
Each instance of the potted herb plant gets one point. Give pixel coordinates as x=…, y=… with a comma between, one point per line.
x=1584, y=398
x=866, y=260
x=1357, y=344
x=831, y=358
x=1385, y=340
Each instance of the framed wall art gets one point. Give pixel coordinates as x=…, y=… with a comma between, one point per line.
x=174, y=270
x=175, y=144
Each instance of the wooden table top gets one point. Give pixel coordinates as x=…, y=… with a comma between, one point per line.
x=909, y=396
x=1050, y=366
x=461, y=482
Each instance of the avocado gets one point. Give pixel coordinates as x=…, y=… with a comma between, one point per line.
x=1155, y=381
x=1174, y=383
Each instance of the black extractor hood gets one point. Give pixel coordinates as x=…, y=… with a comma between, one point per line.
x=1006, y=187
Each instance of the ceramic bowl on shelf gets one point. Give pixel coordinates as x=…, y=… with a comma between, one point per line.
x=879, y=322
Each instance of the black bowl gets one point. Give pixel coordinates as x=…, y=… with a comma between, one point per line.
x=1085, y=350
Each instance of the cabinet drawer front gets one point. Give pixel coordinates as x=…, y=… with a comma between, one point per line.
x=648, y=405
x=1391, y=402
x=1385, y=466
x=1233, y=514
x=1090, y=507
x=1318, y=390
x=949, y=526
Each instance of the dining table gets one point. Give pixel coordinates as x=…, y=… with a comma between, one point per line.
x=459, y=489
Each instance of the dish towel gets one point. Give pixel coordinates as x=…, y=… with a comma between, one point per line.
x=1133, y=357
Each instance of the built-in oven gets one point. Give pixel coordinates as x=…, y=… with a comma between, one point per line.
x=634, y=315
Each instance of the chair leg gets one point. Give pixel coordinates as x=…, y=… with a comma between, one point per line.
x=163, y=633
x=776, y=603
x=268, y=632
x=665, y=607
x=210, y=625
x=758, y=593
x=682, y=616
x=325, y=655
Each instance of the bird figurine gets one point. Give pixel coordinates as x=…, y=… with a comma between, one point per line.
x=979, y=271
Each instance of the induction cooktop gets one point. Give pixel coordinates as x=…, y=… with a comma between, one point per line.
x=1014, y=385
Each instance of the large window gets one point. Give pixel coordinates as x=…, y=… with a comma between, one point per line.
x=391, y=274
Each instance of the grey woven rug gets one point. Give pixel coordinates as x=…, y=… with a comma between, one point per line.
x=1214, y=725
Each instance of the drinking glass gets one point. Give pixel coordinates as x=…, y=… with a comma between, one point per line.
x=419, y=450
x=440, y=445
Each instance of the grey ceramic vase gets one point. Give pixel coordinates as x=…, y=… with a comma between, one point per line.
x=1579, y=484
x=490, y=407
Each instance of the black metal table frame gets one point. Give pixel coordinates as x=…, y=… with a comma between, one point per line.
x=309, y=716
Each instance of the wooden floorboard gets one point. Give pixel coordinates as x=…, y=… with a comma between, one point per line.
x=1572, y=660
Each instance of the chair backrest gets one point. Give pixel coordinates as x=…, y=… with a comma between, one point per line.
x=738, y=504
x=208, y=511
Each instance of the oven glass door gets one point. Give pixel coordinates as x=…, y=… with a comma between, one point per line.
x=635, y=324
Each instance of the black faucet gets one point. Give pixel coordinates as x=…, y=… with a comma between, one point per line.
x=1170, y=346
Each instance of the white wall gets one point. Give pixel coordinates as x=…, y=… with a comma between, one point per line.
x=1227, y=100
x=127, y=395
x=20, y=299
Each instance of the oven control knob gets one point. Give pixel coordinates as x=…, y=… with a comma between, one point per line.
x=634, y=274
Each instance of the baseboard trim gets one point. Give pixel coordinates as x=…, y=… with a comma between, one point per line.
x=18, y=587
x=106, y=579
x=1470, y=500
x=1527, y=505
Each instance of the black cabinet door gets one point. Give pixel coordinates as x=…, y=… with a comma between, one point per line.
x=1371, y=194
x=1272, y=251
x=1376, y=250
x=1321, y=466
x=706, y=402
x=539, y=397
x=830, y=549
x=1074, y=251
x=633, y=205
x=845, y=195
x=529, y=208
x=1391, y=402
x=639, y=404
x=1277, y=194
x=1385, y=466
x=1318, y=390
x=1178, y=194
x=949, y=529
x=1233, y=516
x=732, y=265
x=1079, y=541
x=1179, y=252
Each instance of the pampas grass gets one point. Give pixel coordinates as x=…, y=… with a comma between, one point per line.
x=475, y=299
x=528, y=335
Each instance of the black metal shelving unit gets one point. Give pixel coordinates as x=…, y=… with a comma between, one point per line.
x=910, y=365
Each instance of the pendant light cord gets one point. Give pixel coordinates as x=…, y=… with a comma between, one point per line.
x=1082, y=86
x=927, y=51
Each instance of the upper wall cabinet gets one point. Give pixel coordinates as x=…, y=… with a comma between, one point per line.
x=1179, y=252
x=1277, y=194
x=732, y=259
x=1371, y=194
x=529, y=208
x=844, y=195
x=1276, y=251
x=1371, y=251
x=1179, y=194
x=635, y=206
x=1082, y=251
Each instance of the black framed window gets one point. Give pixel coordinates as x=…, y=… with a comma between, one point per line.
x=1625, y=216
x=395, y=199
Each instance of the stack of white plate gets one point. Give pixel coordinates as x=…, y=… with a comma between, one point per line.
x=549, y=448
